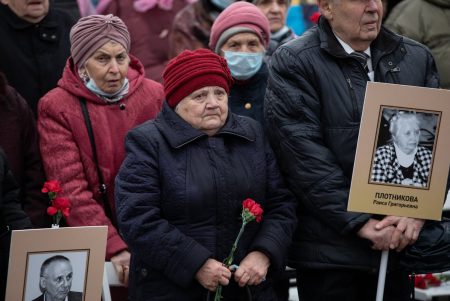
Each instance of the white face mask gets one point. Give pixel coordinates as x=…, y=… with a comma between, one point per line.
x=243, y=65
x=109, y=97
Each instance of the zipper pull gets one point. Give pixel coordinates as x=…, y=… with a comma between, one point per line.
x=396, y=69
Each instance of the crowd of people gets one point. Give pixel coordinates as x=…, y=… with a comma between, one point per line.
x=160, y=117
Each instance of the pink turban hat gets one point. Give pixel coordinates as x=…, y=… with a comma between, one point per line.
x=92, y=32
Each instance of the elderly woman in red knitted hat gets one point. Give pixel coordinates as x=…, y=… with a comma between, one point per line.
x=180, y=190
x=82, y=123
x=241, y=35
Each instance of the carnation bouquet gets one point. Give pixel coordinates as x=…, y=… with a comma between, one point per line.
x=59, y=207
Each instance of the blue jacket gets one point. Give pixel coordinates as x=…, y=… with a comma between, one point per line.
x=179, y=197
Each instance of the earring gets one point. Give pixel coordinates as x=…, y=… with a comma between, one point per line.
x=84, y=77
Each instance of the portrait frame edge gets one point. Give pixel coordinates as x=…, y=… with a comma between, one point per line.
x=366, y=196
x=49, y=240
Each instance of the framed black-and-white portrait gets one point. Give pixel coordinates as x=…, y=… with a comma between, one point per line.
x=60, y=264
x=405, y=145
x=402, y=162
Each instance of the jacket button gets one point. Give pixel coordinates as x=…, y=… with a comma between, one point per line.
x=144, y=272
x=248, y=106
x=44, y=35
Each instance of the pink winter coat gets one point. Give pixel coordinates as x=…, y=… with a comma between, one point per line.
x=66, y=149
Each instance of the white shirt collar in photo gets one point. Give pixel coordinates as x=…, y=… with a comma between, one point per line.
x=404, y=159
x=349, y=50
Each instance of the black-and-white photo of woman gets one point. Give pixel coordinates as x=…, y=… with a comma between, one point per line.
x=403, y=160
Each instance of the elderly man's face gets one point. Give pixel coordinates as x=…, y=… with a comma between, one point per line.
x=57, y=280
x=356, y=22
x=205, y=109
x=275, y=11
x=407, y=135
x=32, y=11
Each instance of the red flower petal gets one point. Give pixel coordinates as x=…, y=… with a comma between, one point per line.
x=51, y=186
x=52, y=211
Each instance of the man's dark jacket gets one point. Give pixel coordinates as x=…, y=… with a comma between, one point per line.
x=33, y=56
x=72, y=296
x=313, y=105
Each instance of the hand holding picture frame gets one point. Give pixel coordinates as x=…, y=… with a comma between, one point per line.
x=402, y=157
x=59, y=263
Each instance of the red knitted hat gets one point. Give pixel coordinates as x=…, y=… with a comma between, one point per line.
x=193, y=70
x=243, y=15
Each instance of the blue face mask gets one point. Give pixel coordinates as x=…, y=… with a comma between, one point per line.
x=243, y=65
x=92, y=86
x=222, y=4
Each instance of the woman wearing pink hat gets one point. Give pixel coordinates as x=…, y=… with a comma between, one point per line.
x=181, y=187
x=241, y=34
x=82, y=124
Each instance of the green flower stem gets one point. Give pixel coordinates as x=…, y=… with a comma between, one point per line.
x=229, y=260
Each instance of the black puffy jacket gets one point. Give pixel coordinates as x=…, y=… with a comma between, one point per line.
x=179, y=196
x=12, y=217
x=313, y=106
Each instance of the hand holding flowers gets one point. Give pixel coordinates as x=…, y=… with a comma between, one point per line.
x=250, y=211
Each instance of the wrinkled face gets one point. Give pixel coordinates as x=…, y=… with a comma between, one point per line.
x=57, y=280
x=205, y=109
x=243, y=42
x=275, y=11
x=32, y=11
x=407, y=135
x=108, y=67
x=356, y=22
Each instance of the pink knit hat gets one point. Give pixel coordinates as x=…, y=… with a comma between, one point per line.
x=92, y=32
x=239, y=17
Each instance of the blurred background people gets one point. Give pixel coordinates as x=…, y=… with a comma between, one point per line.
x=428, y=22
x=403, y=161
x=19, y=140
x=191, y=27
x=71, y=7
x=275, y=11
x=301, y=15
x=149, y=23
x=241, y=34
x=180, y=190
x=35, y=41
x=102, y=91
x=12, y=217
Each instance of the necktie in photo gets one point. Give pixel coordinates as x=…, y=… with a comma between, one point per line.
x=362, y=58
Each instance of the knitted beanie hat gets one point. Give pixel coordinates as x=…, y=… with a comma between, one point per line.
x=193, y=70
x=92, y=32
x=239, y=17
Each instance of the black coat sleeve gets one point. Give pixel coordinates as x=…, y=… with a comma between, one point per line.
x=312, y=172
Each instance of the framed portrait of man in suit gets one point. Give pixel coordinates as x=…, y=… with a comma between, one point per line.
x=64, y=264
x=402, y=164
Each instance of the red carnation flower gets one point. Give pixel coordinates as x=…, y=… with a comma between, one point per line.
x=51, y=186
